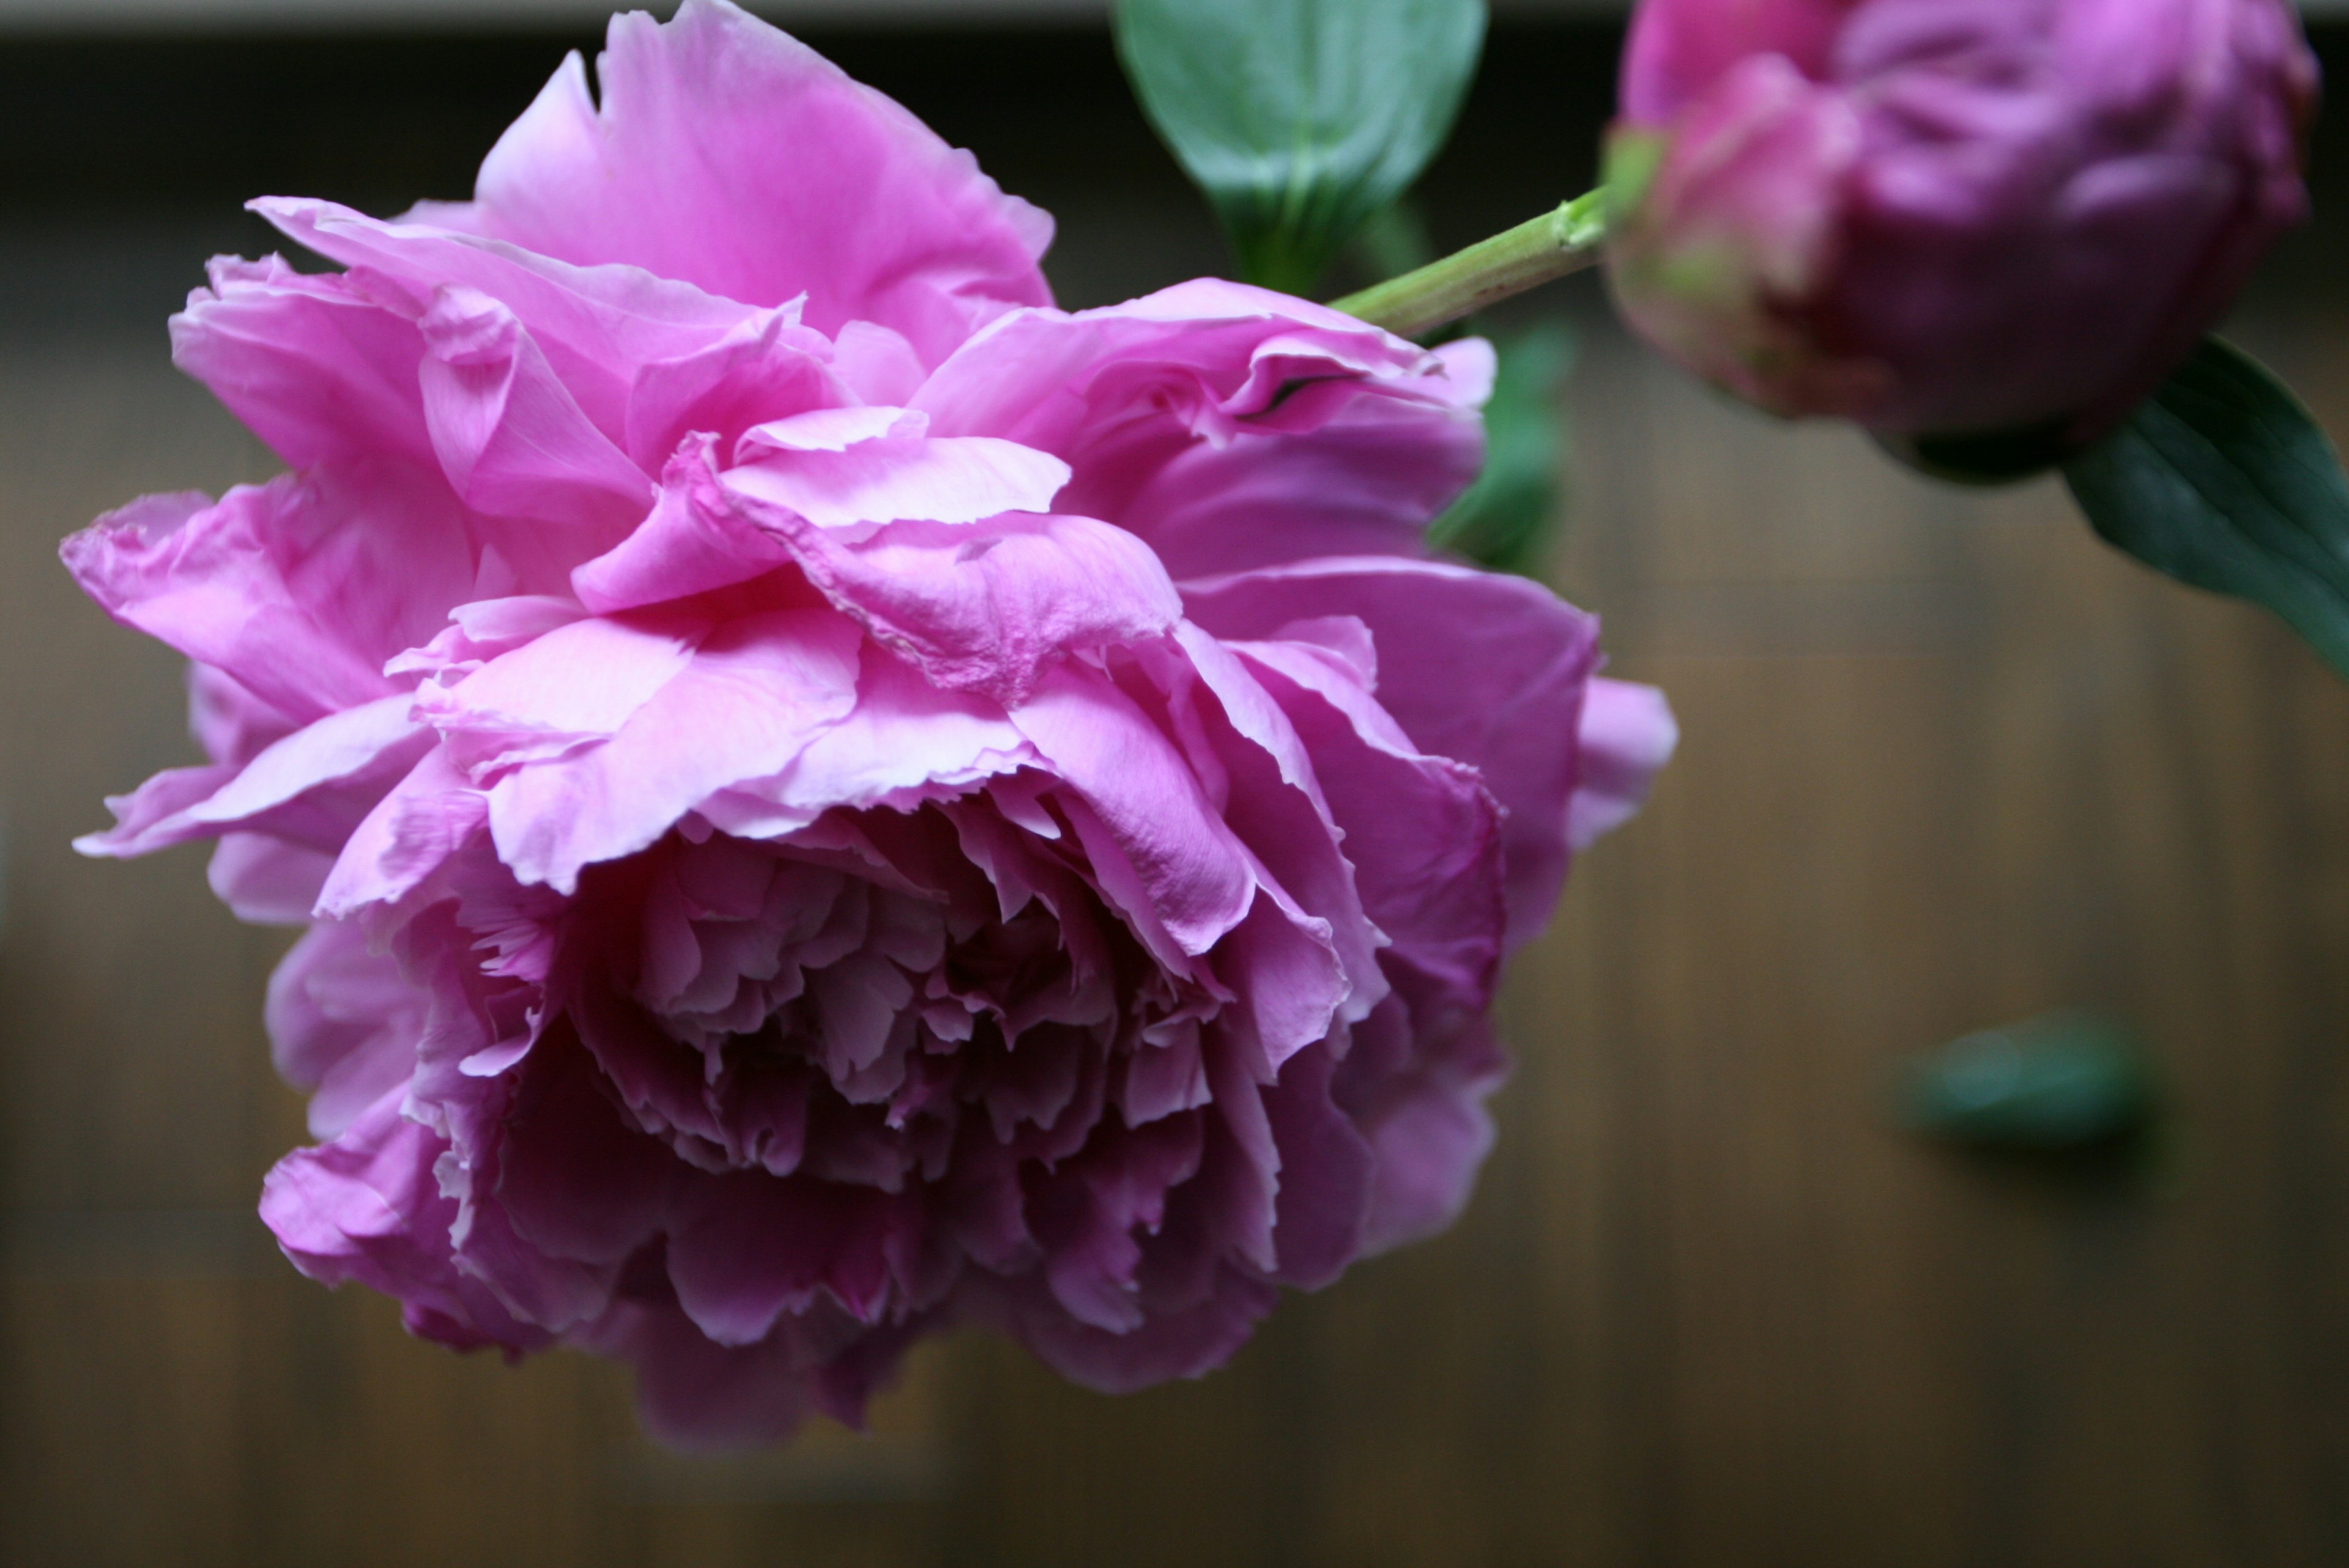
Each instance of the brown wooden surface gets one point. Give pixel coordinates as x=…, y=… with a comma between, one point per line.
x=1947, y=762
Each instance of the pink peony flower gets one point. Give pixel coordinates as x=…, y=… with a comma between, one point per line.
x=1951, y=216
x=830, y=798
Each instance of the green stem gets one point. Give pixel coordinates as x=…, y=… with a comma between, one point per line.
x=1551, y=246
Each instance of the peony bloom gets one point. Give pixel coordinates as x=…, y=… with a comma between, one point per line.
x=830, y=798
x=1951, y=217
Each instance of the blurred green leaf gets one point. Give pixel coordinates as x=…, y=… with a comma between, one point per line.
x=2222, y=480
x=1299, y=119
x=2068, y=1081
x=1506, y=519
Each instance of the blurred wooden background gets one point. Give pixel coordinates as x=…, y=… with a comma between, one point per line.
x=1949, y=762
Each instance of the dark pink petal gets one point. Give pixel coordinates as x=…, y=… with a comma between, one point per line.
x=1427, y=1149
x=1680, y=49
x=749, y=1247
x=1189, y=1343
x=1327, y=1176
x=575, y=1181
x=1485, y=669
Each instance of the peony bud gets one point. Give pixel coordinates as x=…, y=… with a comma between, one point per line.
x=1951, y=218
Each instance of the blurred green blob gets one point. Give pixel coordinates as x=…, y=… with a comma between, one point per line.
x=1507, y=517
x=2059, y=1084
x=1299, y=119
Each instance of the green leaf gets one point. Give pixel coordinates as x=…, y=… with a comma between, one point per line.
x=2069, y=1080
x=2223, y=480
x=1505, y=519
x=1299, y=119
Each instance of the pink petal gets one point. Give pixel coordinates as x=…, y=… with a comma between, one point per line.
x=597, y=326
x=989, y=607
x=904, y=740
x=1191, y=876
x=311, y=365
x=299, y=589
x=1628, y=735
x=728, y=155
x=342, y=1022
x=755, y=694
x=578, y=684
x=1485, y=669
x=695, y=540
x=884, y=479
x=510, y=436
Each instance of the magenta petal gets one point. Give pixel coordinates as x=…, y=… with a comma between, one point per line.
x=1485, y=669
x=575, y=1181
x=368, y=1207
x=729, y=156
x=749, y=1248
x=1185, y=1343
x=1427, y=1150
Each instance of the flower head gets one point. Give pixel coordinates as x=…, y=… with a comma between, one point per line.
x=830, y=798
x=1951, y=216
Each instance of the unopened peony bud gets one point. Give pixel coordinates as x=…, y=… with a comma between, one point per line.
x=1951, y=217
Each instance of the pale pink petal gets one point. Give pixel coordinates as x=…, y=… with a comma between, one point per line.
x=890, y=479
x=300, y=588
x=755, y=694
x=578, y=684
x=312, y=366
x=1628, y=735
